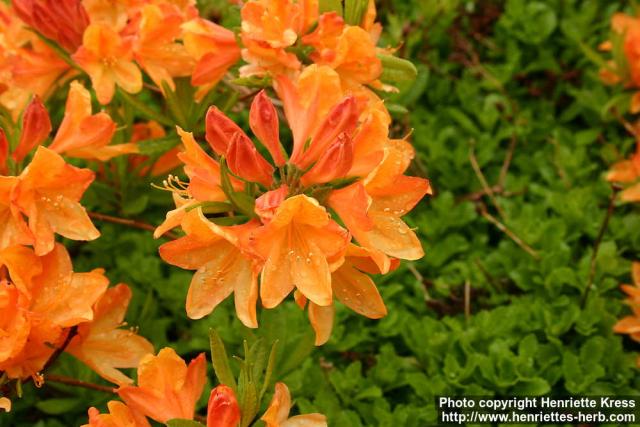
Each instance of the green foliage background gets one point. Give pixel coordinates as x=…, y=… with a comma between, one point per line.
x=491, y=74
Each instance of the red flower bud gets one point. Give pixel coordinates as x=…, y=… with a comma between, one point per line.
x=36, y=126
x=219, y=130
x=223, y=409
x=245, y=161
x=61, y=20
x=263, y=120
x=334, y=163
x=342, y=118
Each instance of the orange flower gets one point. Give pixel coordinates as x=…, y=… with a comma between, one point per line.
x=269, y=27
x=106, y=57
x=13, y=228
x=627, y=171
x=213, y=47
x=221, y=266
x=52, y=297
x=630, y=325
x=84, y=135
x=223, y=409
x=156, y=49
x=5, y=404
x=373, y=211
x=352, y=287
x=301, y=245
x=348, y=49
x=277, y=414
x=38, y=68
x=61, y=20
x=48, y=193
x=120, y=415
x=101, y=345
x=167, y=388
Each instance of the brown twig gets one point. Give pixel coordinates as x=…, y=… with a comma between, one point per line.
x=97, y=387
x=483, y=181
x=507, y=161
x=467, y=300
x=72, y=333
x=130, y=223
x=528, y=249
x=78, y=383
x=596, y=245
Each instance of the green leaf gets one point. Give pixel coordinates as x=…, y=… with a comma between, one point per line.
x=270, y=367
x=330, y=6
x=221, y=361
x=58, y=406
x=157, y=145
x=396, y=69
x=243, y=202
x=177, y=422
x=354, y=10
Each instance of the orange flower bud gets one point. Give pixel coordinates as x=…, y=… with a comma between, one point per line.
x=245, y=161
x=61, y=20
x=342, y=118
x=219, y=130
x=36, y=126
x=334, y=163
x=223, y=409
x=263, y=120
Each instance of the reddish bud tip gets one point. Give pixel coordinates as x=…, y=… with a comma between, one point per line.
x=223, y=409
x=263, y=120
x=219, y=130
x=36, y=126
x=245, y=161
x=334, y=163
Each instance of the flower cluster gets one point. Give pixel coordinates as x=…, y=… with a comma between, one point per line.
x=313, y=207
x=315, y=219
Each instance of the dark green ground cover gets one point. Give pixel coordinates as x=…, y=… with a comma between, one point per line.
x=497, y=81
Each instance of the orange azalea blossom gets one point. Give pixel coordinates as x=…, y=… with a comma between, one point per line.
x=213, y=47
x=628, y=172
x=5, y=404
x=350, y=50
x=156, y=49
x=224, y=411
x=627, y=27
x=83, y=134
x=107, y=58
x=41, y=304
x=301, y=246
x=102, y=345
x=353, y=287
x=13, y=228
x=343, y=169
x=38, y=68
x=120, y=415
x=221, y=266
x=277, y=414
x=167, y=388
x=269, y=27
x=630, y=325
x=48, y=192
x=61, y=20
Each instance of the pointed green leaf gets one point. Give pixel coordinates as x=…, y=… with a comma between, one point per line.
x=396, y=69
x=220, y=360
x=177, y=422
